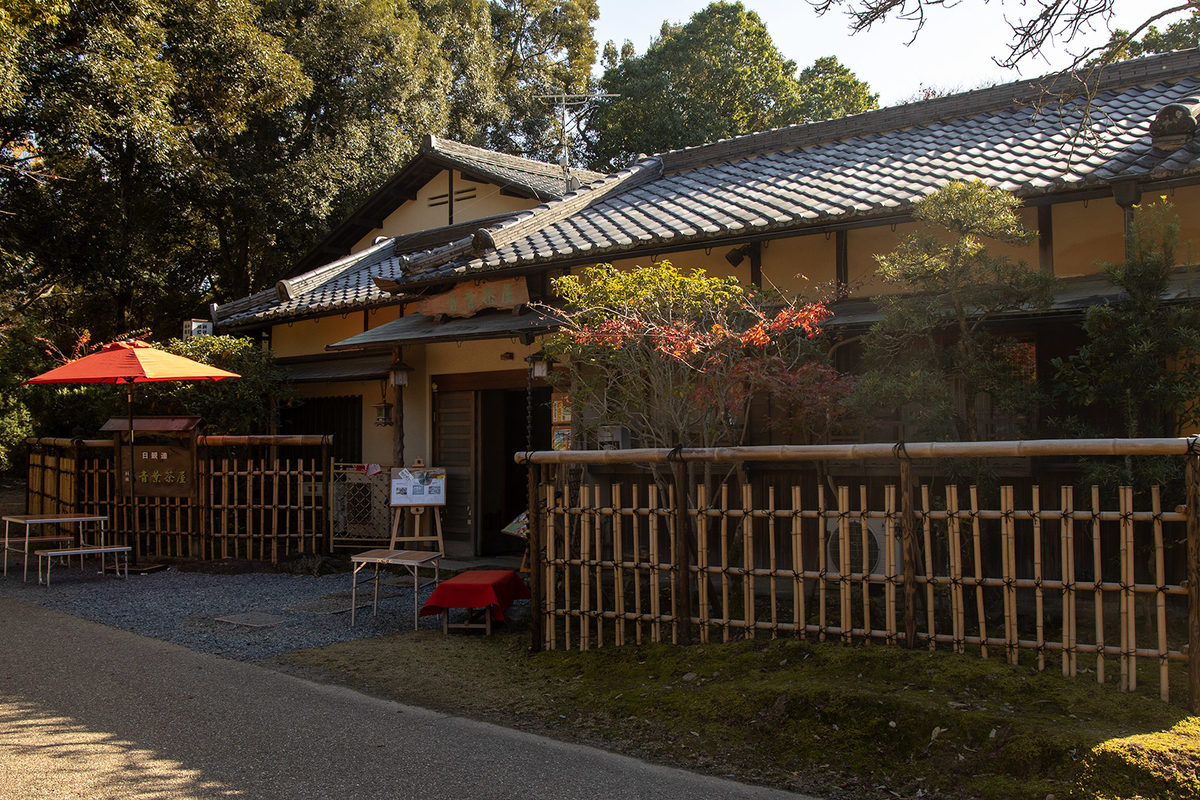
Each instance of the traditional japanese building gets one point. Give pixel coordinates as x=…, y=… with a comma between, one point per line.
x=415, y=307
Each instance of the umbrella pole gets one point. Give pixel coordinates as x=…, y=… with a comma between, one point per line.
x=132, y=493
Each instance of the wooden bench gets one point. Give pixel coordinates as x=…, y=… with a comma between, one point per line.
x=120, y=553
x=29, y=521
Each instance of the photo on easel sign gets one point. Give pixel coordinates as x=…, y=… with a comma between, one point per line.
x=418, y=486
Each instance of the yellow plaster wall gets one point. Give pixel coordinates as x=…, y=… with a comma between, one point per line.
x=804, y=266
x=861, y=246
x=378, y=316
x=309, y=336
x=416, y=215
x=418, y=415
x=1086, y=233
x=713, y=264
x=480, y=356
x=1187, y=205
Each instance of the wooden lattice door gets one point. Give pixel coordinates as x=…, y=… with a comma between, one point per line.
x=456, y=449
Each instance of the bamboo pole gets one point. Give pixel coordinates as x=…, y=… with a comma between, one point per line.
x=275, y=513
x=225, y=508
x=682, y=606
x=865, y=533
x=639, y=567
x=908, y=531
x=1128, y=631
x=1192, y=577
x=552, y=566
x=655, y=566
x=956, y=593
x=749, y=612
x=597, y=569
x=1098, y=594
x=797, y=566
x=858, y=452
x=1067, y=534
x=533, y=540
x=1037, y=578
x=702, y=562
x=845, y=620
x=976, y=535
x=889, y=542
x=327, y=496
x=619, y=561
x=930, y=577
x=771, y=561
x=585, y=574
x=1009, y=534
x=725, y=612
x=1160, y=597
x=822, y=562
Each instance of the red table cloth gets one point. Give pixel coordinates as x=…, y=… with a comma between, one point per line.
x=477, y=589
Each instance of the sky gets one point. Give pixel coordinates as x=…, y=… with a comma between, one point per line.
x=953, y=51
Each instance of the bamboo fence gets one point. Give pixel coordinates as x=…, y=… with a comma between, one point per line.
x=1067, y=579
x=256, y=506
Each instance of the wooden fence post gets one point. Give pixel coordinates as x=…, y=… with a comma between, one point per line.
x=683, y=572
x=77, y=478
x=908, y=532
x=326, y=491
x=1193, y=582
x=534, y=542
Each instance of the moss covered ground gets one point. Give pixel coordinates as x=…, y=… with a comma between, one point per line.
x=822, y=718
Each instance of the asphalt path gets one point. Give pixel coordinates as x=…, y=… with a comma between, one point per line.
x=89, y=711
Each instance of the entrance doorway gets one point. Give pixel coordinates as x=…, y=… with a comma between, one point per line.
x=480, y=424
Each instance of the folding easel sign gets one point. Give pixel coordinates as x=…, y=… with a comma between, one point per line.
x=418, y=486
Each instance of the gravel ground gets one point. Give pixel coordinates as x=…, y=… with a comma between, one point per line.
x=183, y=607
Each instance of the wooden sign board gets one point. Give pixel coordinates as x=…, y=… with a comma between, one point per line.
x=560, y=409
x=418, y=486
x=471, y=296
x=161, y=471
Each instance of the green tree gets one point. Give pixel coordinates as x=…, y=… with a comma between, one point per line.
x=1183, y=34
x=1142, y=355
x=719, y=75
x=373, y=82
x=542, y=47
x=932, y=356
x=120, y=100
x=246, y=405
x=1050, y=21
x=828, y=90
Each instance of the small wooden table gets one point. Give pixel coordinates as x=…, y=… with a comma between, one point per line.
x=412, y=560
x=492, y=590
x=30, y=520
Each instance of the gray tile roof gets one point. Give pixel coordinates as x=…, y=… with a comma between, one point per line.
x=788, y=180
x=542, y=180
x=515, y=175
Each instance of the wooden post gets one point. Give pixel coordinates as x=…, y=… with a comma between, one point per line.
x=534, y=542
x=908, y=532
x=1193, y=585
x=683, y=585
x=77, y=479
x=326, y=490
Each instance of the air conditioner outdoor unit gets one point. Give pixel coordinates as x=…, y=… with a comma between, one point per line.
x=876, y=549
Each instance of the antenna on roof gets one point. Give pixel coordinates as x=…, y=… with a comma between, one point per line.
x=562, y=102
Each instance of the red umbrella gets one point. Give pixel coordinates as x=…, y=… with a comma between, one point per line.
x=131, y=362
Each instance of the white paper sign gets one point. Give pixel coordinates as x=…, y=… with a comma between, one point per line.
x=418, y=486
